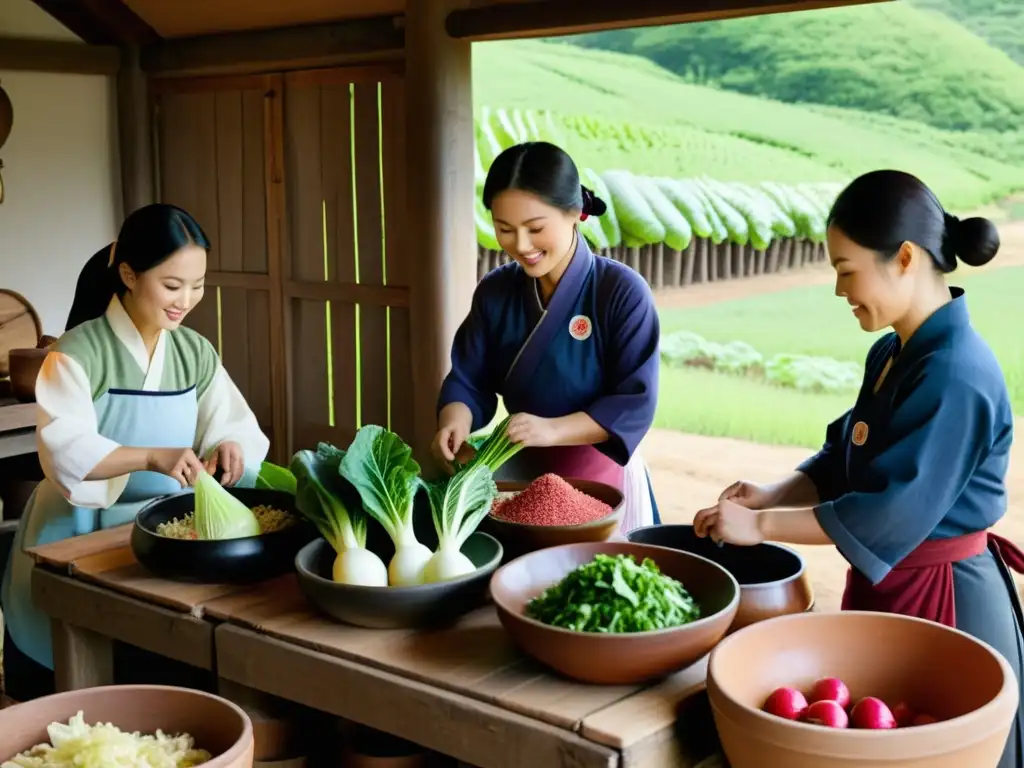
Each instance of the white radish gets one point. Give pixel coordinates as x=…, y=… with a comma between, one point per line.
x=360, y=567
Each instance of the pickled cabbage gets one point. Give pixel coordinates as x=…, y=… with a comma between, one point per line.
x=219, y=515
x=78, y=745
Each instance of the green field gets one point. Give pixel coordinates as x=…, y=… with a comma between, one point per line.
x=1000, y=22
x=892, y=58
x=810, y=321
x=732, y=136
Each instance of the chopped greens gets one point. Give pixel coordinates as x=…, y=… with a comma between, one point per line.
x=613, y=594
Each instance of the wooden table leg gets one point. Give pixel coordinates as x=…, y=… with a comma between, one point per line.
x=81, y=657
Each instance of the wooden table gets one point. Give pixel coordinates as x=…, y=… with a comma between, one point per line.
x=465, y=691
x=17, y=428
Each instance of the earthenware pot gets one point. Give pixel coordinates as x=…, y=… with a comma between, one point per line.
x=217, y=725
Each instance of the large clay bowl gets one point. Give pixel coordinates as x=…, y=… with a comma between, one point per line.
x=937, y=670
x=395, y=607
x=25, y=365
x=246, y=560
x=614, y=659
x=773, y=579
x=217, y=725
x=521, y=538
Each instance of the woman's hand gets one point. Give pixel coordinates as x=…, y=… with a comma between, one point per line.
x=750, y=495
x=729, y=522
x=532, y=431
x=180, y=463
x=228, y=457
x=449, y=443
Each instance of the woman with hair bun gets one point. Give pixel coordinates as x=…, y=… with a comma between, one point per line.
x=568, y=339
x=909, y=481
x=131, y=405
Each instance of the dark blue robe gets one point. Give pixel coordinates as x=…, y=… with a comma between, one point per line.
x=925, y=457
x=594, y=349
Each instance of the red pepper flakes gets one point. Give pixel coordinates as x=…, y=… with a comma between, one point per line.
x=549, y=500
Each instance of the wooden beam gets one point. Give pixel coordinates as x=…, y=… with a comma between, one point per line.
x=305, y=47
x=135, y=134
x=101, y=22
x=541, y=18
x=439, y=169
x=58, y=56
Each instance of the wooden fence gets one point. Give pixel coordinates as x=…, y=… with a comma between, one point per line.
x=702, y=262
x=298, y=182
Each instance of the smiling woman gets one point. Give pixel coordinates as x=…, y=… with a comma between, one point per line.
x=567, y=338
x=131, y=406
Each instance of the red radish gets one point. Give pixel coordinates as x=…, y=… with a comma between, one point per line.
x=830, y=689
x=827, y=713
x=903, y=714
x=788, y=703
x=872, y=714
x=924, y=720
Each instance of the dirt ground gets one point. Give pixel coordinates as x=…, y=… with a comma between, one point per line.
x=689, y=471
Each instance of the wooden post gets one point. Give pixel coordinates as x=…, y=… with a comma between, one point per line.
x=135, y=133
x=439, y=159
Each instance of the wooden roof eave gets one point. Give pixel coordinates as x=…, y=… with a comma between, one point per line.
x=267, y=50
x=543, y=18
x=100, y=22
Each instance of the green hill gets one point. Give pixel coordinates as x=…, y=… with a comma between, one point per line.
x=894, y=58
x=1000, y=22
x=695, y=130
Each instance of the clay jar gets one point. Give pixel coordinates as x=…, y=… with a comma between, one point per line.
x=773, y=578
x=937, y=670
x=217, y=725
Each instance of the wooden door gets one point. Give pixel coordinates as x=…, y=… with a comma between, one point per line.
x=215, y=149
x=346, y=291
x=298, y=180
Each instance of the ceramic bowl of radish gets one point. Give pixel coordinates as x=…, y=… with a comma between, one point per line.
x=858, y=689
x=551, y=511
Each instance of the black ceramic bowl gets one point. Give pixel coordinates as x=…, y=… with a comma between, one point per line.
x=773, y=578
x=397, y=607
x=231, y=561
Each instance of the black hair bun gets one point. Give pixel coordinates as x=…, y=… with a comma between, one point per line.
x=592, y=204
x=975, y=241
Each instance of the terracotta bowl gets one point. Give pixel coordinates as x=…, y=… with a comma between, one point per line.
x=25, y=365
x=521, y=538
x=936, y=670
x=773, y=579
x=217, y=725
x=614, y=659
x=396, y=607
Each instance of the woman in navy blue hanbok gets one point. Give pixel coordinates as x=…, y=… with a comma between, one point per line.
x=568, y=339
x=911, y=479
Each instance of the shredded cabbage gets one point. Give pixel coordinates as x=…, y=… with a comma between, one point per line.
x=78, y=745
x=219, y=515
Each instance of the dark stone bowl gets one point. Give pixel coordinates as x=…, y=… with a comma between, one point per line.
x=246, y=560
x=397, y=607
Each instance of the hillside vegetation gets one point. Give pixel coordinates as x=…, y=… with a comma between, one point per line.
x=895, y=58
x=1000, y=22
x=696, y=130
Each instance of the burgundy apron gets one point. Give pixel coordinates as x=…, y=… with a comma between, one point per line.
x=921, y=585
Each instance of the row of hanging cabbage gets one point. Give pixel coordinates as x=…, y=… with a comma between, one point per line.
x=647, y=210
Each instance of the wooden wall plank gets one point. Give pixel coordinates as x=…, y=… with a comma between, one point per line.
x=308, y=338
x=373, y=320
x=402, y=402
x=254, y=192
x=392, y=107
x=254, y=258
x=336, y=135
x=235, y=333
x=396, y=252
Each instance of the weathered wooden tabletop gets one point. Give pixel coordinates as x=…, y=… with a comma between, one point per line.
x=17, y=428
x=464, y=691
